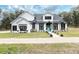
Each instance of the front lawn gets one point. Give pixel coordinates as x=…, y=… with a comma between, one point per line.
x=24, y=35
x=39, y=48
x=72, y=32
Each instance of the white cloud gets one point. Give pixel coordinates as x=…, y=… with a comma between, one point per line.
x=36, y=8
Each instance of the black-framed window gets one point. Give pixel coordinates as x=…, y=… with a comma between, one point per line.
x=41, y=26
x=14, y=28
x=33, y=25
x=55, y=26
x=47, y=17
x=23, y=28
x=62, y=26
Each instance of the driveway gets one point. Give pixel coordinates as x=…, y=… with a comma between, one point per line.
x=39, y=40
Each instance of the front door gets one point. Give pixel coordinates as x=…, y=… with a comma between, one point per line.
x=48, y=27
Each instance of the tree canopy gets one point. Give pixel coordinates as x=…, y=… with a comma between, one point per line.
x=8, y=17
x=71, y=17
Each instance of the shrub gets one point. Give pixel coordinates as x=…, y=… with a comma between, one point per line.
x=51, y=35
x=61, y=35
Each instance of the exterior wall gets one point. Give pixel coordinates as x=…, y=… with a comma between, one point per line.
x=66, y=29
x=12, y=28
x=29, y=25
x=59, y=26
x=27, y=16
x=44, y=26
x=55, y=26
x=37, y=27
x=52, y=27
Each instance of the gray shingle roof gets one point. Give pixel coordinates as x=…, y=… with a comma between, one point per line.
x=39, y=18
x=56, y=18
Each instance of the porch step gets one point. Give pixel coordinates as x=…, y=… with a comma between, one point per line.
x=54, y=35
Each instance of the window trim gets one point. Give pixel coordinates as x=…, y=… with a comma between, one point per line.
x=33, y=25
x=14, y=27
x=48, y=17
x=41, y=26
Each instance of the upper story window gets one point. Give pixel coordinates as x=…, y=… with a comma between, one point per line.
x=47, y=17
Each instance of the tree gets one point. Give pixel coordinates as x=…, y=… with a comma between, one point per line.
x=75, y=17
x=5, y=23
x=71, y=17
x=8, y=17
x=18, y=12
x=66, y=17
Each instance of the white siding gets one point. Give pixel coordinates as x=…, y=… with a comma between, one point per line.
x=27, y=16
x=23, y=21
x=66, y=27
x=59, y=27
x=44, y=26
x=37, y=27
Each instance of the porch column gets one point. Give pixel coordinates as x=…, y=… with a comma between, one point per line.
x=29, y=28
x=66, y=27
x=18, y=30
x=44, y=26
x=59, y=26
x=28, y=31
x=37, y=27
x=52, y=27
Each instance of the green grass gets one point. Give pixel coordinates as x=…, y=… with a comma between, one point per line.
x=72, y=32
x=39, y=48
x=24, y=35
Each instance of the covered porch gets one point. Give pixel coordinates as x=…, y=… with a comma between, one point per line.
x=20, y=28
x=49, y=26
x=56, y=26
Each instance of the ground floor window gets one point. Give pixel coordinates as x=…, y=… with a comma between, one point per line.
x=33, y=25
x=62, y=26
x=55, y=26
x=41, y=26
x=15, y=28
x=23, y=28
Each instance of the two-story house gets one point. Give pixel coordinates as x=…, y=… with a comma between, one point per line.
x=26, y=22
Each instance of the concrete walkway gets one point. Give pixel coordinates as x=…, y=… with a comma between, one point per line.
x=4, y=31
x=54, y=34
x=39, y=40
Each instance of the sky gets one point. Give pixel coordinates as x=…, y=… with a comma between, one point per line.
x=37, y=8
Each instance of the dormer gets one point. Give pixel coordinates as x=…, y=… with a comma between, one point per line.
x=47, y=17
